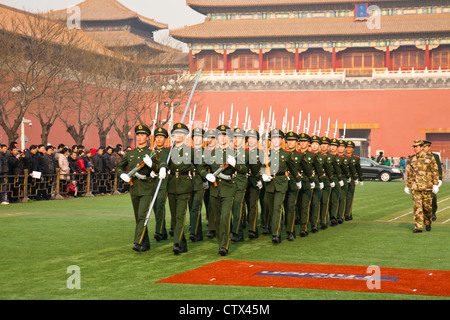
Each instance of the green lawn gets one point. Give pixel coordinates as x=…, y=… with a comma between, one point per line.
x=40, y=240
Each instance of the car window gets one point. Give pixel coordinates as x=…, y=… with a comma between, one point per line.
x=365, y=163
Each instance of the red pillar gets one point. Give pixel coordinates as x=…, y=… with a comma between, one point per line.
x=333, y=59
x=297, y=60
x=388, y=58
x=225, y=61
x=260, y=60
x=427, y=57
x=191, y=62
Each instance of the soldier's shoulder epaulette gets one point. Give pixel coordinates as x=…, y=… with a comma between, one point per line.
x=347, y=155
x=246, y=149
x=356, y=156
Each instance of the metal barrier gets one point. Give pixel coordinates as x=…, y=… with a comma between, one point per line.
x=21, y=188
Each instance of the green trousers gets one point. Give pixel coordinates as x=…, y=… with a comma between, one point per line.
x=160, y=212
x=315, y=206
x=141, y=204
x=238, y=213
x=222, y=205
x=324, y=202
x=304, y=204
x=252, y=199
x=349, y=199
x=334, y=201
x=290, y=203
x=195, y=212
x=342, y=200
x=178, y=204
x=273, y=201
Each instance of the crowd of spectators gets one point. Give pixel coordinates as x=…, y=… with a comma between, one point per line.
x=43, y=160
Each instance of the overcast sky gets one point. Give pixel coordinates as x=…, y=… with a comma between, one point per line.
x=175, y=13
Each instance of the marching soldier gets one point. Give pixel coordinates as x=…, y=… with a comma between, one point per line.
x=143, y=186
x=241, y=184
x=254, y=183
x=290, y=203
x=223, y=187
x=328, y=179
x=341, y=172
x=180, y=185
x=210, y=136
x=265, y=146
x=344, y=164
x=356, y=165
x=195, y=205
x=279, y=161
x=161, y=135
x=310, y=192
x=422, y=181
x=427, y=149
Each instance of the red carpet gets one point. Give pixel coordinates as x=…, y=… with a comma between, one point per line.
x=317, y=276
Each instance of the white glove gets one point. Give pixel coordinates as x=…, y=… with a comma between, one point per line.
x=266, y=178
x=356, y=181
x=440, y=183
x=313, y=185
x=231, y=161
x=435, y=189
x=205, y=185
x=162, y=173
x=153, y=174
x=125, y=177
x=332, y=184
x=349, y=180
x=361, y=183
x=341, y=183
x=140, y=176
x=321, y=185
x=259, y=185
x=407, y=190
x=210, y=177
x=148, y=161
x=299, y=185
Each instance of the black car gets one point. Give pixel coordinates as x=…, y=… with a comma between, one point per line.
x=373, y=170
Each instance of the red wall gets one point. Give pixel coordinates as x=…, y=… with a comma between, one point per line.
x=400, y=113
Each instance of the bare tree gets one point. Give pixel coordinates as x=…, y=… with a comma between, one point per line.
x=33, y=52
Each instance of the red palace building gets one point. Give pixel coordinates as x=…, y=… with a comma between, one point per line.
x=381, y=69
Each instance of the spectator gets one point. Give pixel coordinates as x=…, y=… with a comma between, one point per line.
x=73, y=162
x=97, y=160
x=109, y=160
x=87, y=160
x=380, y=159
x=3, y=173
x=50, y=160
x=63, y=164
x=386, y=161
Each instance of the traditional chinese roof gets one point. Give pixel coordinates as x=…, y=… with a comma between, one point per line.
x=207, y=6
x=275, y=28
x=11, y=18
x=108, y=10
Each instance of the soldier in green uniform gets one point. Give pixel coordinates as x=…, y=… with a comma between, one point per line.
x=241, y=179
x=210, y=137
x=279, y=162
x=180, y=185
x=195, y=205
x=143, y=186
x=265, y=145
x=290, y=202
x=307, y=207
x=223, y=187
x=161, y=135
x=254, y=183
x=345, y=166
x=328, y=179
x=427, y=149
x=358, y=178
x=341, y=171
x=422, y=180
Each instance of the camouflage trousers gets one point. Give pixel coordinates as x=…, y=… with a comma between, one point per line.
x=422, y=208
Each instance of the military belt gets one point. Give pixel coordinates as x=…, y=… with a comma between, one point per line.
x=177, y=174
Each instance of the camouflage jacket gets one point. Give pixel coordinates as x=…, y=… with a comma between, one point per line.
x=422, y=172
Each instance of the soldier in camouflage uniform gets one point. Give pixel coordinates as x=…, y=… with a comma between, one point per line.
x=422, y=181
x=427, y=149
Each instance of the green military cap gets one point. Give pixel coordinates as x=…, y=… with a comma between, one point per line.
x=180, y=127
x=303, y=137
x=334, y=142
x=222, y=129
x=291, y=135
x=276, y=133
x=315, y=138
x=324, y=140
x=417, y=143
x=252, y=133
x=161, y=132
x=342, y=143
x=211, y=133
x=426, y=143
x=238, y=132
x=198, y=132
x=142, y=128
x=351, y=144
